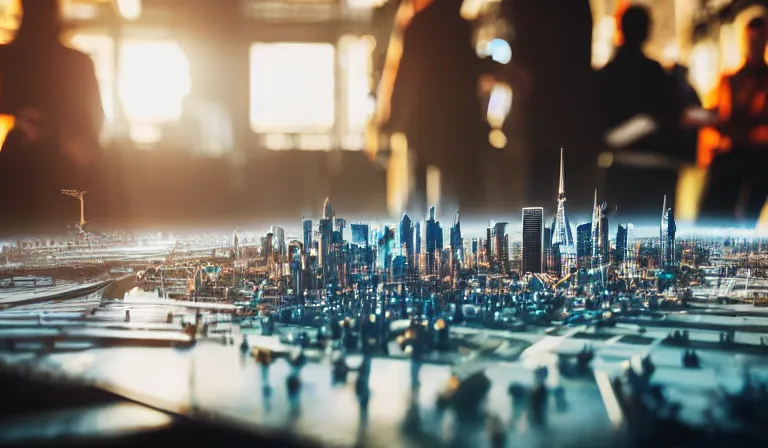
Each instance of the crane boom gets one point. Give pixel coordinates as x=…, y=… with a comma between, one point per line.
x=80, y=195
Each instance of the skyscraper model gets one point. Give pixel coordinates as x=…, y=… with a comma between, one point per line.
x=561, y=227
x=562, y=236
x=533, y=240
x=667, y=237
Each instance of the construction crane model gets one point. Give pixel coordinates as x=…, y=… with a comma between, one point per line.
x=81, y=196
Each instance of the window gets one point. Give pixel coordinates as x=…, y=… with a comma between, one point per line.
x=355, y=69
x=292, y=88
x=129, y=9
x=153, y=80
x=101, y=49
x=10, y=13
x=78, y=10
x=363, y=4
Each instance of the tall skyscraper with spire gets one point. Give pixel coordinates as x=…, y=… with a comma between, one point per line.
x=563, y=247
x=561, y=227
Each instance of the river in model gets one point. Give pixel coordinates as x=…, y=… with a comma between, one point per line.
x=127, y=288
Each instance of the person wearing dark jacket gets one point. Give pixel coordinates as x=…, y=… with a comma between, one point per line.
x=640, y=113
x=687, y=138
x=435, y=102
x=552, y=41
x=738, y=186
x=52, y=92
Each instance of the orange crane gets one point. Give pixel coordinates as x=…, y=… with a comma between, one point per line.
x=81, y=196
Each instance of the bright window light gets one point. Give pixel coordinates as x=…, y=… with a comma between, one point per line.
x=704, y=67
x=319, y=142
x=670, y=54
x=129, y=9
x=602, y=41
x=277, y=141
x=499, y=105
x=471, y=9
x=355, y=61
x=101, y=49
x=364, y=4
x=153, y=80
x=292, y=87
x=10, y=13
x=76, y=10
x=353, y=142
x=145, y=134
x=497, y=139
x=7, y=122
x=497, y=49
x=500, y=51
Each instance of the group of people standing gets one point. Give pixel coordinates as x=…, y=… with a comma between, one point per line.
x=637, y=119
x=645, y=163
x=627, y=128
x=738, y=186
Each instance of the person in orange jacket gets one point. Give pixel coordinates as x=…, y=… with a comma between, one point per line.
x=738, y=187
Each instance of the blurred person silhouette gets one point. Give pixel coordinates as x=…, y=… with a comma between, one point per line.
x=640, y=112
x=52, y=92
x=738, y=186
x=435, y=102
x=686, y=136
x=684, y=139
x=382, y=26
x=552, y=41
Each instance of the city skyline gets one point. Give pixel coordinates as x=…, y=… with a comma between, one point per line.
x=561, y=229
